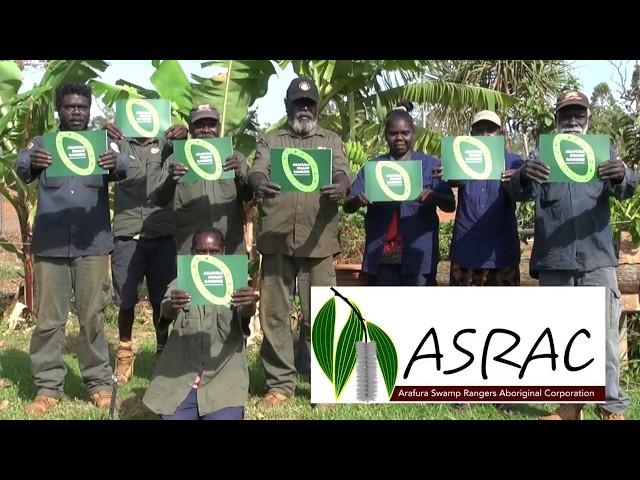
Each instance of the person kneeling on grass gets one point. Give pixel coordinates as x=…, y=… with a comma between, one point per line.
x=202, y=373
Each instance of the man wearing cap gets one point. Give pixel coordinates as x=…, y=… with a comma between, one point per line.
x=144, y=237
x=485, y=249
x=573, y=245
x=206, y=203
x=298, y=239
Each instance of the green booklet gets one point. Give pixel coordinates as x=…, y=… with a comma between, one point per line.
x=574, y=158
x=301, y=170
x=392, y=181
x=212, y=279
x=204, y=157
x=472, y=158
x=75, y=153
x=138, y=117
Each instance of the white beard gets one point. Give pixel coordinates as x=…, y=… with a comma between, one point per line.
x=303, y=127
x=576, y=129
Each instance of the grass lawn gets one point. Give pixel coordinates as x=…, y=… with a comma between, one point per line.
x=16, y=388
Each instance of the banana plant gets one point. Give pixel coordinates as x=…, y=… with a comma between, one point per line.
x=360, y=93
x=238, y=85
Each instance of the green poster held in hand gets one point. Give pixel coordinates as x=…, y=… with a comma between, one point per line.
x=472, y=158
x=392, y=181
x=574, y=158
x=301, y=170
x=139, y=117
x=212, y=279
x=75, y=153
x=204, y=157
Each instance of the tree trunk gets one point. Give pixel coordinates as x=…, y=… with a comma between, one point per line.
x=526, y=145
x=27, y=262
x=23, y=206
x=250, y=227
x=628, y=270
x=29, y=283
x=628, y=278
x=250, y=216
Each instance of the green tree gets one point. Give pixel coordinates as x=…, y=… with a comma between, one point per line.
x=356, y=95
x=607, y=116
x=621, y=120
x=233, y=90
x=533, y=83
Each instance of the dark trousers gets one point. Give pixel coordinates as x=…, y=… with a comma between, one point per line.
x=390, y=275
x=188, y=410
x=134, y=260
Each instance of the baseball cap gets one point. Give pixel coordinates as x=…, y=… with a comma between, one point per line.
x=302, y=88
x=486, y=115
x=572, y=98
x=204, y=110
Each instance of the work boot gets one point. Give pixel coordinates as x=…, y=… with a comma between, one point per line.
x=125, y=358
x=42, y=404
x=606, y=415
x=101, y=399
x=272, y=399
x=566, y=411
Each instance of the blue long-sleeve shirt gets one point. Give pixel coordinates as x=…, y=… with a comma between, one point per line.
x=419, y=224
x=572, y=221
x=72, y=218
x=485, y=233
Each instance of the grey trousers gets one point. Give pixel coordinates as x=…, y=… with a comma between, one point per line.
x=57, y=280
x=616, y=400
x=279, y=273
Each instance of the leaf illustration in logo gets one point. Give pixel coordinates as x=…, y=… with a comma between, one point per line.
x=322, y=336
x=352, y=332
x=387, y=355
x=582, y=145
x=306, y=158
x=478, y=145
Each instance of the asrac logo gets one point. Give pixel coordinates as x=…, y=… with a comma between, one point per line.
x=361, y=345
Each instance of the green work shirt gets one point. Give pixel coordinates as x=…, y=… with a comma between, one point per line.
x=295, y=223
x=209, y=339
x=217, y=203
x=135, y=212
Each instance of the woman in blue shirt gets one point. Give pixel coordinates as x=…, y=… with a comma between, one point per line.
x=401, y=244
